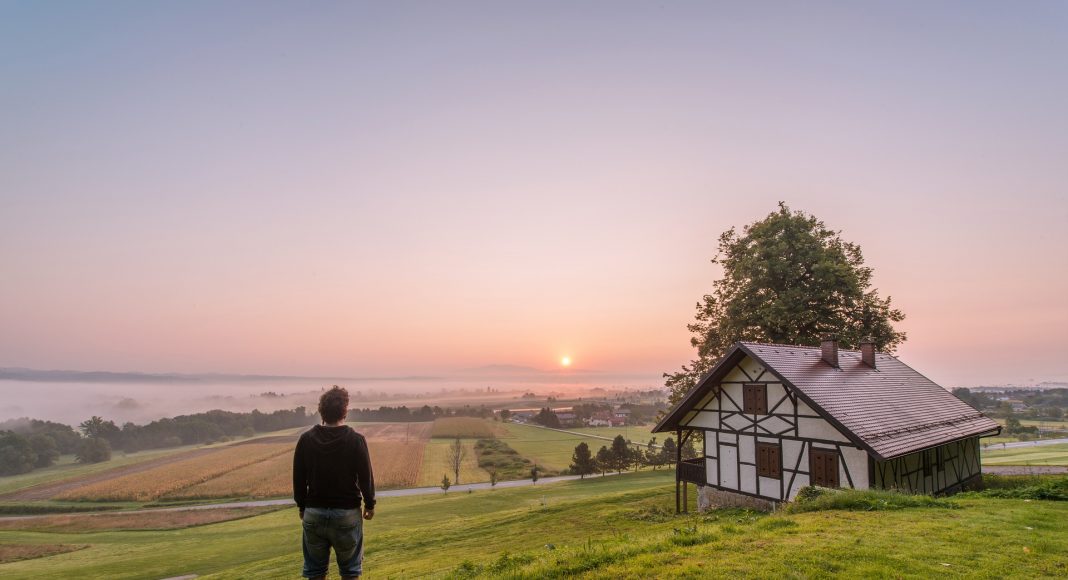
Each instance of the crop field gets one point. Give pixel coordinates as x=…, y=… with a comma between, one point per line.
x=466, y=428
x=1038, y=455
x=436, y=463
x=612, y=527
x=16, y=552
x=394, y=431
x=173, y=477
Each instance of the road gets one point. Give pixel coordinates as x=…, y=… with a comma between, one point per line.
x=1016, y=444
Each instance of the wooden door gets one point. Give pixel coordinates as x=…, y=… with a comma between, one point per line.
x=823, y=467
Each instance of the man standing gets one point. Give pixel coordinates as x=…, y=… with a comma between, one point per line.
x=331, y=470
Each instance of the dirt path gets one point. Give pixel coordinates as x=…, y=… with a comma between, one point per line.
x=1024, y=469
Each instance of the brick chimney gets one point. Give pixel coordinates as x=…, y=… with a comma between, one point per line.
x=867, y=352
x=829, y=349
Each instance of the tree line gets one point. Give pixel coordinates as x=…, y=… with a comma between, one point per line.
x=403, y=414
x=621, y=456
x=28, y=444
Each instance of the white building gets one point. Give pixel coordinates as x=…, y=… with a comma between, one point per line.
x=776, y=418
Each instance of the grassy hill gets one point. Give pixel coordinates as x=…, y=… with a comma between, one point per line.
x=620, y=526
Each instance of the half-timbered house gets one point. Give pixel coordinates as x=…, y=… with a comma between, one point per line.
x=776, y=418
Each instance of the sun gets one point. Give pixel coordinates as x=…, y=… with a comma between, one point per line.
x=565, y=361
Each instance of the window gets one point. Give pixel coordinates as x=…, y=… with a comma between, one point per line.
x=823, y=467
x=769, y=460
x=755, y=399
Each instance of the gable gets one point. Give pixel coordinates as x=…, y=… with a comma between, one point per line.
x=890, y=411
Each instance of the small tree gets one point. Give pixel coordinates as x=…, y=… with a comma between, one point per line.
x=94, y=450
x=493, y=477
x=668, y=451
x=604, y=460
x=534, y=474
x=621, y=455
x=457, y=453
x=445, y=483
x=16, y=454
x=582, y=462
x=45, y=448
x=651, y=457
x=505, y=414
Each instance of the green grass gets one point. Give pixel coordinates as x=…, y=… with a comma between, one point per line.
x=1037, y=455
x=553, y=449
x=612, y=527
x=814, y=499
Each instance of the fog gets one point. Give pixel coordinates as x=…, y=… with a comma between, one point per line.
x=72, y=402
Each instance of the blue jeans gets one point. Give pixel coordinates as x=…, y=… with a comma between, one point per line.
x=337, y=528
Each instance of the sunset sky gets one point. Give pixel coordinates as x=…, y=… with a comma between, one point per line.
x=367, y=188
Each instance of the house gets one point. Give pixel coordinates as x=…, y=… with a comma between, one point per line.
x=776, y=418
x=606, y=419
x=622, y=414
x=567, y=419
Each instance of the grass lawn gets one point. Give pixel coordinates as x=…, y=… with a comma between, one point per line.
x=436, y=463
x=547, y=448
x=1038, y=455
x=620, y=526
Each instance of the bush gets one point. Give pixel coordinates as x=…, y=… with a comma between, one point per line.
x=811, y=498
x=46, y=449
x=94, y=450
x=1027, y=487
x=16, y=454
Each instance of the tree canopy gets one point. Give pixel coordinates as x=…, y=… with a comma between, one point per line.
x=787, y=279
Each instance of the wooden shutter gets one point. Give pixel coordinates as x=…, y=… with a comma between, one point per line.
x=823, y=467
x=769, y=460
x=755, y=399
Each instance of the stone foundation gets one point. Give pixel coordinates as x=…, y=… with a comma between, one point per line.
x=709, y=498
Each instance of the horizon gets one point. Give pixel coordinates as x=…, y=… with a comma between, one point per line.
x=371, y=190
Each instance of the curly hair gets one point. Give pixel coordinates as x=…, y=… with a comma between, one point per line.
x=334, y=404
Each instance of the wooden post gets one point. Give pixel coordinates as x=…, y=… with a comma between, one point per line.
x=678, y=506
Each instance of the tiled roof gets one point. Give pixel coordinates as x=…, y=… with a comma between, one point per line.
x=892, y=409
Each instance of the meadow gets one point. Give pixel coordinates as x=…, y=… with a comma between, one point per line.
x=611, y=527
x=1056, y=454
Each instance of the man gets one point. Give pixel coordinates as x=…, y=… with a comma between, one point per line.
x=331, y=470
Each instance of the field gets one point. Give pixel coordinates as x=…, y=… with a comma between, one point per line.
x=1039, y=455
x=436, y=463
x=553, y=449
x=466, y=428
x=159, y=520
x=612, y=527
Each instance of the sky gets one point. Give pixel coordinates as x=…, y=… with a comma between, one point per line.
x=368, y=188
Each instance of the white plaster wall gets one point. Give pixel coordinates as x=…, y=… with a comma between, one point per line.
x=748, y=479
x=711, y=473
x=704, y=419
x=728, y=460
x=818, y=429
x=857, y=460
x=770, y=487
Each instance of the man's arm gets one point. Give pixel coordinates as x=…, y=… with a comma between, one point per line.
x=300, y=476
x=364, y=476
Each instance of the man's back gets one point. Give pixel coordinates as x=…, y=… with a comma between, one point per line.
x=332, y=469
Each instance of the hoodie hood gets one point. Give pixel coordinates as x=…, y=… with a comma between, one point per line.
x=330, y=437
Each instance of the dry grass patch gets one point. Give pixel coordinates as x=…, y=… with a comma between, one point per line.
x=406, y=432
x=158, y=520
x=16, y=552
x=466, y=428
x=174, y=477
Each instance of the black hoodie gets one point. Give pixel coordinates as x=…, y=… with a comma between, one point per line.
x=332, y=468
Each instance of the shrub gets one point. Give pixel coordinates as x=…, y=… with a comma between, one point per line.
x=1051, y=489
x=94, y=450
x=820, y=499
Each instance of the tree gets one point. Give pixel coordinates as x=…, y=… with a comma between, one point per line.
x=457, y=453
x=582, y=462
x=621, y=455
x=94, y=450
x=668, y=451
x=44, y=446
x=603, y=460
x=787, y=279
x=534, y=474
x=16, y=454
x=547, y=418
x=445, y=483
x=493, y=477
x=652, y=456
x=505, y=414
x=96, y=427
